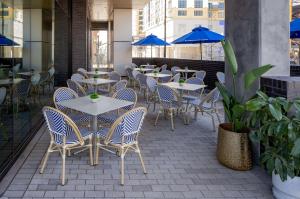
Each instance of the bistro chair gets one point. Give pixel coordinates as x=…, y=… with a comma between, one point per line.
x=3, y=93
x=221, y=77
x=76, y=87
x=64, y=93
x=151, y=92
x=65, y=135
x=127, y=94
x=120, y=85
x=195, y=94
x=114, y=76
x=35, y=86
x=122, y=137
x=170, y=103
x=21, y=92
x=164, y=67
x=175, y=78
x=50, y=80
x=208, y=105
x=130, y=75
x=135, y=74
x=77, y=77
x=44, y=80
x=133, y=65
x=200, y=74
x=174, y=70
x=165, y=79
x=82, y=70
x=142, y=80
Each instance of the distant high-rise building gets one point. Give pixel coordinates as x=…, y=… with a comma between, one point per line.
x=182, y=17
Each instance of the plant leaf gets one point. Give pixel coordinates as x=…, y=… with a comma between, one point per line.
x=255, y=104
x=275, y=111
x=296, y=149
x=230, y=56
x=252, y=75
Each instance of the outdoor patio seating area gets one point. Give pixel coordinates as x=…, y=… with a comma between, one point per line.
x=137, y=138
x=180, y=164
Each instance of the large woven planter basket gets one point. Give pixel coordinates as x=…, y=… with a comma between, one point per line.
x=233, y=150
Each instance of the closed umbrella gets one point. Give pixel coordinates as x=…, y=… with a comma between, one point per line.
x=199, y=35
x=151, y=40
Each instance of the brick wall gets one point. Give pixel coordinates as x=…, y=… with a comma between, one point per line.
x=211, y=67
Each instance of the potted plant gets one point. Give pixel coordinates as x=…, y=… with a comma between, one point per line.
x=181, y=81
x=94, y=97
x=277, y=129
x=233, y=148
x=96, y=70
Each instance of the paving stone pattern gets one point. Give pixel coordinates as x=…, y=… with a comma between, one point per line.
x=180, y=164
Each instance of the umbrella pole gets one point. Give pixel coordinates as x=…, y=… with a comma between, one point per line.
x=151, y=51
x=201, y=50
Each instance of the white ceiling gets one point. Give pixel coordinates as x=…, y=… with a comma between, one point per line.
x=102, y=8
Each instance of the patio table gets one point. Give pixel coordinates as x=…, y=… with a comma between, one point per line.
x=97, y=73
x=144, y=69
x=157, y=75
x=184, y=87
x=103, y=105
x=145, y=65
x=186, y=71
x=95, y=82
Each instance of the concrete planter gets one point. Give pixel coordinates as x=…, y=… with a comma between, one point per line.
x=289, y=189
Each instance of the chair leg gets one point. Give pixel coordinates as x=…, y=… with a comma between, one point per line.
x=141, y=158
x=154, y=106
x=213, y=122
x=122, y=166
x=172, y=121
x=97, y=152
x=69, y=152
x=196, y=113
x=157, y=118
x=63, y=168
x=91, y=150
x=218, y=117
x=45, y=159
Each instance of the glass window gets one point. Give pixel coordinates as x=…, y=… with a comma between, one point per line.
x=221, y=5
x=182, y=4
x=198, y=13
x=181, y=12
x=198, y=4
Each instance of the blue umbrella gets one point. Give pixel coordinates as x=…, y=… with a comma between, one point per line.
x=4, y=41
x=199, y=35
x=295, y=29
x=151, y=40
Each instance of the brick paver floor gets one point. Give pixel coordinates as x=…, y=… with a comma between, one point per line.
x=180, y=164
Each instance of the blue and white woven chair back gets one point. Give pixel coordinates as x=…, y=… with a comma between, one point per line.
x=176, y=77
x=16, y=68
x=2, y=94
x=195, y=80
x=134, y=65
x=200, y=74
x=174, y=68
x=62, y=94
x=81, y=70
x=61, y=126
x=164, y=67
x=211, y=98
x=128, y=126
x=151, y=84
x=221, y=77
x=120, y=85
x=76, y=87
x=165, y=94
x=129, y=73
x=77, y=77
x=114, y=76
x=127, y=94
x=35, y=79
x=135, y=74
x=142, y=79
x=22, y=88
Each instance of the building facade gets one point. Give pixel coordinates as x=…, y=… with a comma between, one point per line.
x=181, y=17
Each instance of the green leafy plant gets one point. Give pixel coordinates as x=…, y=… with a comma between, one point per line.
x=96, y=70
x=233, y=105
x=181, y=81
x=94, y=96
x=278, y=131
x=95, y=77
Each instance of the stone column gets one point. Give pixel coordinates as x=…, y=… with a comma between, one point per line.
x=259, y=33
x=122, y=38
